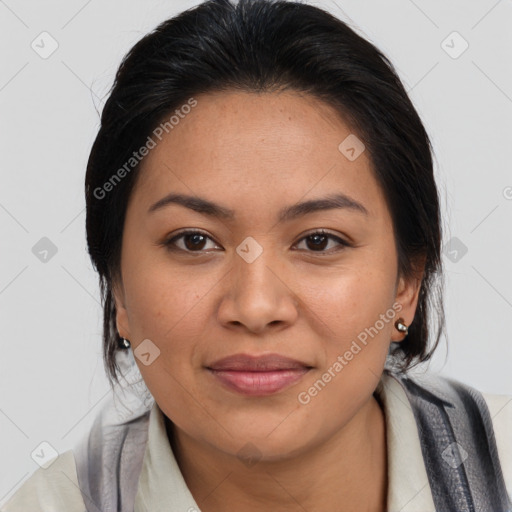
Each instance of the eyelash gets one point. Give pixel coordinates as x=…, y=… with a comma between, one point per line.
x=170, y=243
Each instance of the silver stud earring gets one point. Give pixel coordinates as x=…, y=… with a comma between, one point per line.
x=124, y=343
x=400, y=326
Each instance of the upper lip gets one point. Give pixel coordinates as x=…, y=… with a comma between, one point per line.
x=263, y=363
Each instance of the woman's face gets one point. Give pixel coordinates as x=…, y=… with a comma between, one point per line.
x=255, y=282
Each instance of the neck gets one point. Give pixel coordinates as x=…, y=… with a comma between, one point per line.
x=349, y=468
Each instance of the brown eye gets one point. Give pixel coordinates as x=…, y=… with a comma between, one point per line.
x=319, y=240
x=193, y=241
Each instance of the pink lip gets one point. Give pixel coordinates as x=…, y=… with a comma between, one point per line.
x=258, y=376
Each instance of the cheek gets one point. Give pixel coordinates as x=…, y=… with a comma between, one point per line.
x=162, y=298
x=356, y=318
x=350, y=299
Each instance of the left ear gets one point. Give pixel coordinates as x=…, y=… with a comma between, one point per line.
x=407, y=294
x=122, y=321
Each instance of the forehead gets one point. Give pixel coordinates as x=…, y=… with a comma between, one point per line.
x=256, y=149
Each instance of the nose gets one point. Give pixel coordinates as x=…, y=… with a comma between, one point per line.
x=258, y=295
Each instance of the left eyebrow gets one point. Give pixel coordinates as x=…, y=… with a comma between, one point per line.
x=286, y=214
x=331, y=202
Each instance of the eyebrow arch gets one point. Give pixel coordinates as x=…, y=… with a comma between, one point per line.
x=287, y=213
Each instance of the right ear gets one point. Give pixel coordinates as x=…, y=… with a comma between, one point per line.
x=122, y=321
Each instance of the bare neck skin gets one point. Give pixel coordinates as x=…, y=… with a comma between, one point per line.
x=350, y=468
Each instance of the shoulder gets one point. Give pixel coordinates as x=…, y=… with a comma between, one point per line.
x=458, y=395
x=50, y=489
x=500, y=409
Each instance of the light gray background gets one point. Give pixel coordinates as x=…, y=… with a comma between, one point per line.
x=51, y=373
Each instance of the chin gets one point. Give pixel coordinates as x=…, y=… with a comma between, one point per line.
x=251, y=450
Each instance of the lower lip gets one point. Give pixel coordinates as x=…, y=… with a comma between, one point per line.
x=259, y=383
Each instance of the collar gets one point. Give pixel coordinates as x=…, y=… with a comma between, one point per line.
x=408, y=486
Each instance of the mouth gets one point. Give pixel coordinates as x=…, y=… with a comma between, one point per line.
x=258, y=375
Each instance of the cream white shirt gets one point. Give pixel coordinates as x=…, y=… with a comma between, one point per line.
x=162, y=488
